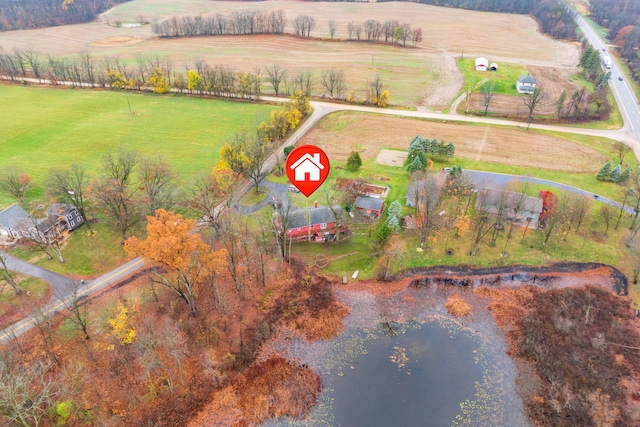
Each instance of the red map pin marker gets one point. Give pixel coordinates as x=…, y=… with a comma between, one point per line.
x=307, y=168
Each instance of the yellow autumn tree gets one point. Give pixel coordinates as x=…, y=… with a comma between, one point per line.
x=173, y=243
x=121, y=326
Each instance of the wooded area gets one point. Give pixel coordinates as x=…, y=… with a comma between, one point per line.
x=25, y=14
x=621, y=18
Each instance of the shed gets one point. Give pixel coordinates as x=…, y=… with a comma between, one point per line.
x=369, y=206
x=482, y=64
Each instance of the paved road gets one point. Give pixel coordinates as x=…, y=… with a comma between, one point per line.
x=625, y=97
x=481, y=179
x=57, y=281
x=62, y=291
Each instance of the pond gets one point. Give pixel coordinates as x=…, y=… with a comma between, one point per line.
x=403, y=361
x=411, y=378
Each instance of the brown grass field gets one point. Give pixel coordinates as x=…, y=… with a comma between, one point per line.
x=340, y=133
x=425, y=75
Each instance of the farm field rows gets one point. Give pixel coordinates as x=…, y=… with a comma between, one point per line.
x=424, y=75
x=58, y=127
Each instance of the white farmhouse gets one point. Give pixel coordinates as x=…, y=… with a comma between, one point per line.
x=526, y=84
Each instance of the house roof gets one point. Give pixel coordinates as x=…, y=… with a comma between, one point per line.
x=492, y=197
x=364, y=202
x=15, y=217
x=482, y=61
x=59, y=209
x=305, y=216
x=527, y=79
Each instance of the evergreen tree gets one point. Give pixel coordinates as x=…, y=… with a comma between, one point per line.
x=354, y=161
x=384, y=234
x=394, y=215
x=615, y=174
x=624, y=175
x=450, y=150
x=416, y=165
x=605, y=172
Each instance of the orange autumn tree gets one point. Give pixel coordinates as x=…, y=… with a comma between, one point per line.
x=174, y=243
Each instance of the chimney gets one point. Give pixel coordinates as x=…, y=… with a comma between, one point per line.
x=315, y=204
x=316, y=158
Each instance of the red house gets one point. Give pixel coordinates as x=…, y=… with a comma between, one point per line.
x=369, y=206
x=315, y=223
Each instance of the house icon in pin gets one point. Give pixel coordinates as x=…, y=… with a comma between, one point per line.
x=308, y=165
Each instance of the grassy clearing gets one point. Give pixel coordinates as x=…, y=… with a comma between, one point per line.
x=504, y=78
x=59, y=127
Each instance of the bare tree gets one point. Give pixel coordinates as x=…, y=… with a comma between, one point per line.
x=276, y=76
x=332, y=81
x=426, y=196
x=208, y=196
x=303, y=83
x=43, y=321
x=73, y=302
x=580, y=206
x=116, y=191
x=14, y=182
x=606, y=212
x=7, y=275
x=488, y=90
x=70, y=186
x=621, y=150
x=532, y=101
x=158, y=179
x=481, y=222
x=332, y=28
x=161, y=347
x=26, y=393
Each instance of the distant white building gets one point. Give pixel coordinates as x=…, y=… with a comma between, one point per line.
x=482, y=64
x=526, y=84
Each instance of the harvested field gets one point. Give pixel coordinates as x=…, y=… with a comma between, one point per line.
x=425, y=75
x=551, y=81
x=116, y=41
x=340, y=133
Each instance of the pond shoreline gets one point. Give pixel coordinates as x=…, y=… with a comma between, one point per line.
x=548, y=276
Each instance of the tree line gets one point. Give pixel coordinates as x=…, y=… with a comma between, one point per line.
x=554, y=17
x=621, y=18
x=159, y=75
x=237, y=23
x=26, y=14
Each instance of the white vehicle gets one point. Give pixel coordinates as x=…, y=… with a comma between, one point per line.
x=606, y=61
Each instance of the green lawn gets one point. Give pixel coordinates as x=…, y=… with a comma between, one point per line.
x=43, y=127
x=504, y=78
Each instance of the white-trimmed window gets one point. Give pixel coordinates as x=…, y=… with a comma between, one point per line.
x=323, y=226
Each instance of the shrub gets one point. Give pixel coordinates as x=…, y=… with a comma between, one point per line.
x=354, y=161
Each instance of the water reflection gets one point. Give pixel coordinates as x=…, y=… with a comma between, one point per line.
x=402, y=361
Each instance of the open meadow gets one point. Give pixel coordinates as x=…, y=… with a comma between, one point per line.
x=47, y=128
x=424, y=75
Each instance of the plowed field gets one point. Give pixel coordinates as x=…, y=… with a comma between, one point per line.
x=339, y=134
